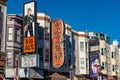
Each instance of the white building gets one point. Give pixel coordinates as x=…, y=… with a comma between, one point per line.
x=13, y=45
x=81, y=53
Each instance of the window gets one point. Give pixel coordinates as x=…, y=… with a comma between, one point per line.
x=2, y=56
x=82, y=63
x=9, y=55
x=113, y=55
x=103, y=65
x=46, y=33
x=40, y=32
x=102, y=51
x=113, y=68
x=10, y=31
x=81, y=46
x=106, y=64
x=0, y=8
x=82, y=60
x=69, y=60
x=9, y=58
x=1, y=13
x=87, y=63
x=17, y=35
x=40, y=52
x=86, y=45
x=46, y=55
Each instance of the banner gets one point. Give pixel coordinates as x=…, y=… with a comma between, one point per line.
x=94, y=64
x=29, y=26
x=58, y=43
x=29, y=61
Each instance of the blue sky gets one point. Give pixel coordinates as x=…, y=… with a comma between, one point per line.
x=91, y=15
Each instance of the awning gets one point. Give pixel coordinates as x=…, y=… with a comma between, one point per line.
x=111, y=78
x=56, y=76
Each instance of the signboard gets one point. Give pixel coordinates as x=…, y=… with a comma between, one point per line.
x=29, y=61
x=29, y=26
x=58, y=43
x=94, y=48
x=10, y=73
x=94, y=64
x=29, y=44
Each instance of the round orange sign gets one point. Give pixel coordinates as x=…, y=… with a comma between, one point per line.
x=57, y=43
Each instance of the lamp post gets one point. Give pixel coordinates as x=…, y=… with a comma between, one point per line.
x=71, y=72
x=16, y=72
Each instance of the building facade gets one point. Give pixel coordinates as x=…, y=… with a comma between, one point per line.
x=104, y=53
x=115, y=68
x=81, y=50
x=44, y=39
x=77, y=50
x=2, y=38
x=3, y=24
x=13, y=45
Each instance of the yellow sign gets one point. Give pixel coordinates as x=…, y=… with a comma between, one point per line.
x=29, y=44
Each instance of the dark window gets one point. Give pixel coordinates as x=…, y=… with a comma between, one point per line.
x=1, y=13
x=113, y=68
x=112, y=55
x=46, y=33
x=86, y=45
x=46, y=55
x=40, y=52
x=17, y=35
x=40, y=32
x=103, y=65
x=102, y=51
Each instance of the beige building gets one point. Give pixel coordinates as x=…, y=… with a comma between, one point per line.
x=104, y=52
x=115, y=56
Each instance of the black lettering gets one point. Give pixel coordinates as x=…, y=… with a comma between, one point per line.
x=31, y=41
x=27, y=48
x=26, y=41
x=32, y=46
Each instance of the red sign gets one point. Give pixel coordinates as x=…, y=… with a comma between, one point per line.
x=29, y=44
x=57, y=43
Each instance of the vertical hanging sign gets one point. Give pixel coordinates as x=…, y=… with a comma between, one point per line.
x=29, y=27
x=58, y=29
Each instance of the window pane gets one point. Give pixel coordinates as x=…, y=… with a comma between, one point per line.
x=10, y=37
x=82, y=63
x=17, y=35
x=10, y=30
x=81, y=46
x=9, y=54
